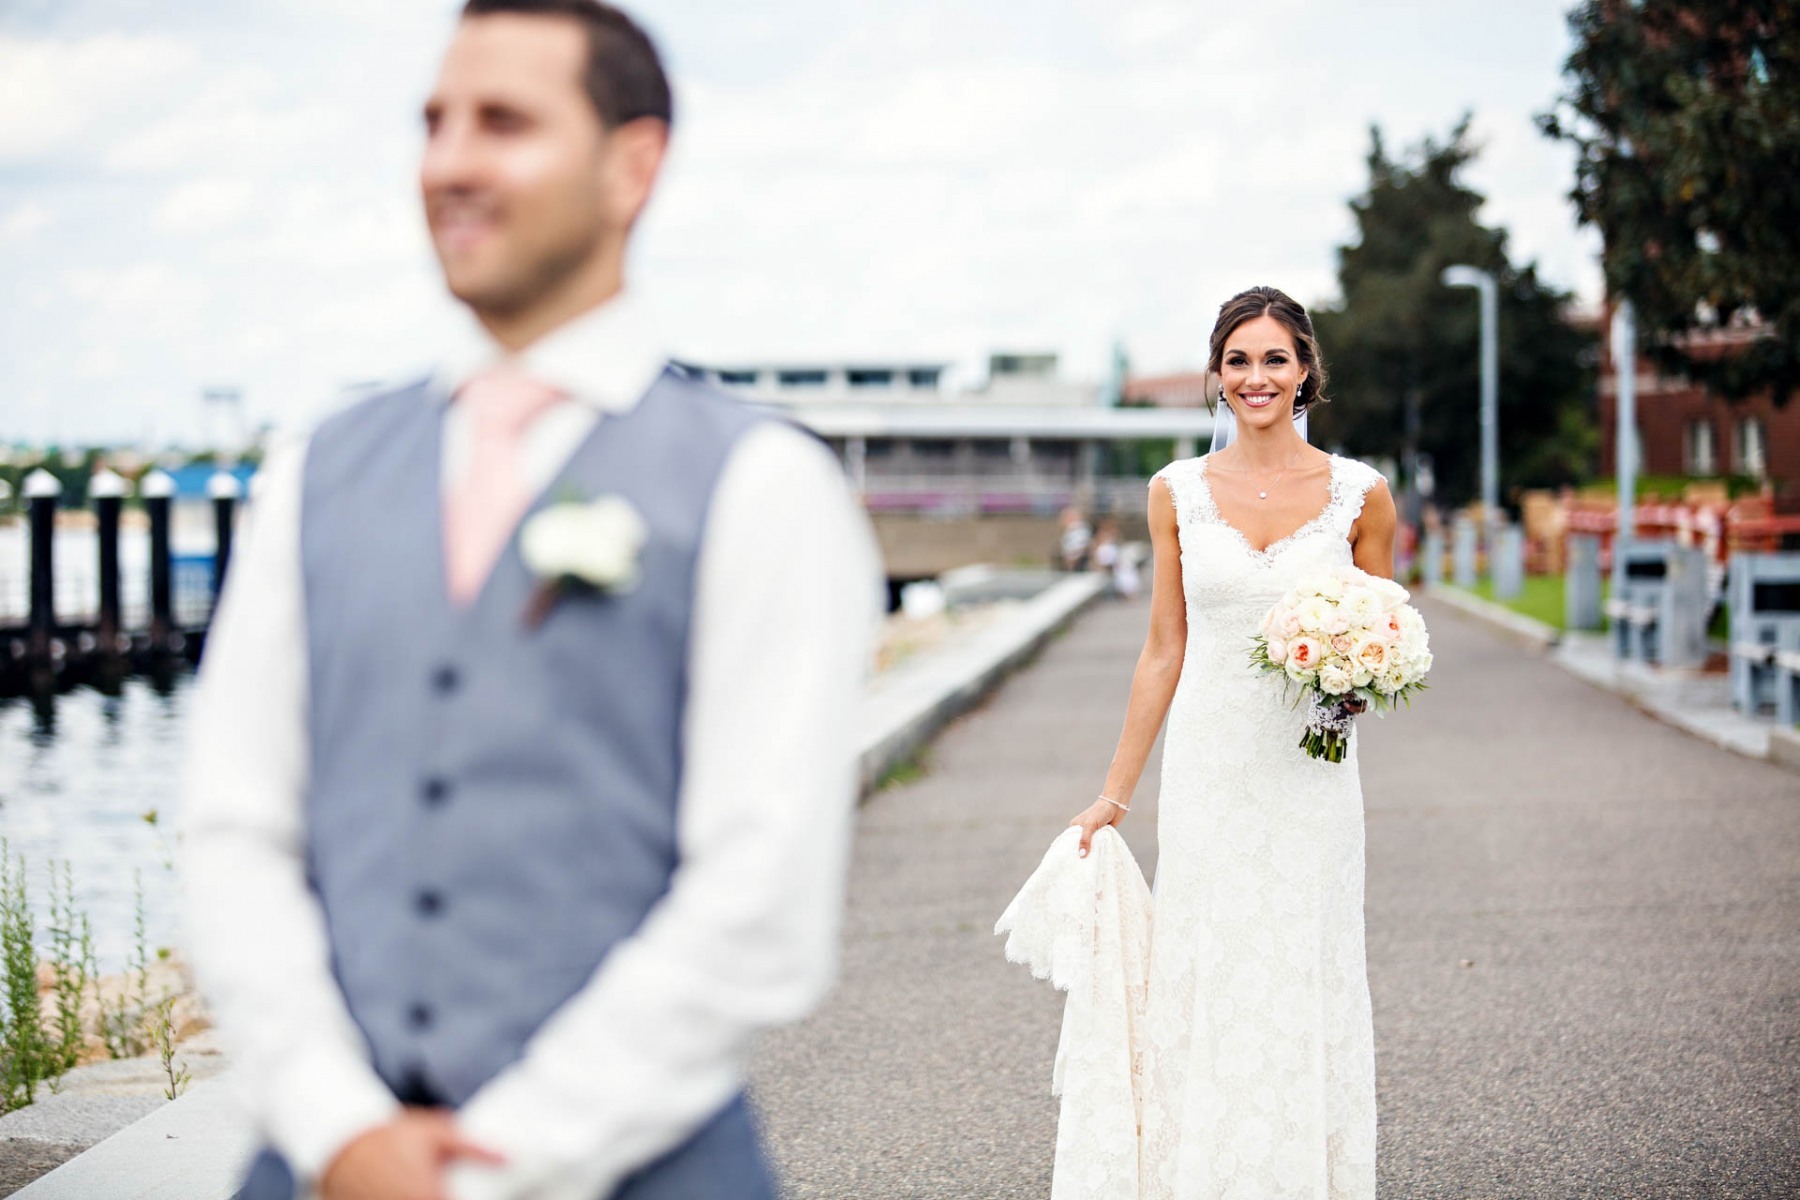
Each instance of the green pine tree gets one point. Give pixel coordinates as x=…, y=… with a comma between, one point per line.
x=1399, y=330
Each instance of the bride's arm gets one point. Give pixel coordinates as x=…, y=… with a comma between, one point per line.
x=1158, y=670
x=1372, y=537
x=1372, y=546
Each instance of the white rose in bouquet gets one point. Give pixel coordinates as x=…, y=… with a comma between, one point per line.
x=1330, y=586
x=1412, y=625
x=1334, y=680
x=1313, y=613
x=1361, y=605
x=1391, y=594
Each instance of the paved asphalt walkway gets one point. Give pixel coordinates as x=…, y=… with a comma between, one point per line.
x=1584, y=943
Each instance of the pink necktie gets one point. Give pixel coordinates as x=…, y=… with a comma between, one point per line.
x=483, y=509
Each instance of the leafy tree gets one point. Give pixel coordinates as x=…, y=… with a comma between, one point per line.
x=1398, y=331
x=1686, y=114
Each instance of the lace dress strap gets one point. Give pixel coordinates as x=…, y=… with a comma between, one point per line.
x=1187, y=489
x=1351, y=482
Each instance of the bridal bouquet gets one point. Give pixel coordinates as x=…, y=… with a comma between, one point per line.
x=1344, y=635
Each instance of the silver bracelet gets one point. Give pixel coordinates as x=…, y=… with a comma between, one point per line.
x=1116, y=804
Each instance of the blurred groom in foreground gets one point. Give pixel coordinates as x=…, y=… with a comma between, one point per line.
x=523, y=754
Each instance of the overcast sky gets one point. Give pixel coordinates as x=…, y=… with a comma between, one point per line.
x=221, y=192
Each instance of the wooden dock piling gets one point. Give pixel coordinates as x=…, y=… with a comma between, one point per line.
x=42, y=493
x=108, y=493
x=157, y=490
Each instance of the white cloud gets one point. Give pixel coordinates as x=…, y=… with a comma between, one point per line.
x=24, y=221
x=1144, y=26
x=927, y=177
x=55, y=95
x=244, y=119
x=142, y=299
x=205, y=205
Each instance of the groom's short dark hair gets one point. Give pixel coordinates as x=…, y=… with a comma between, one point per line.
x=624, y=77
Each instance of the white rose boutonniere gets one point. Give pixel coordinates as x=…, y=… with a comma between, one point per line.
x=592, y=545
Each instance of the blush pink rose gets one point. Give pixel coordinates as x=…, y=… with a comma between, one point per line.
x=1278, y=651
x=1289, y=625
x=1372, y=655
x=1305, y=652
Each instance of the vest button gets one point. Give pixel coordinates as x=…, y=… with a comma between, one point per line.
x=436, y=791
x=429, y=903
x=445, y=679
x=419, y=1017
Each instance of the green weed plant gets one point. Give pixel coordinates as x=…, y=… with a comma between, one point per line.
x=39, y=1043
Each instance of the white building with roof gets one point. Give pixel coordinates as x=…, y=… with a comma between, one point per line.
x=1022, y=440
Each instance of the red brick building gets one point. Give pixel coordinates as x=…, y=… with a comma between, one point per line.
x=1685, y=430
x=1187, y=389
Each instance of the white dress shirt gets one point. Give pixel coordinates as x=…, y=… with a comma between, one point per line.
x=785, y=610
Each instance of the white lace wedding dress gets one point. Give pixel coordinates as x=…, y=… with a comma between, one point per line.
x=1258, y=1061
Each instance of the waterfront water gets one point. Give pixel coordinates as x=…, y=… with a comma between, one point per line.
x=78, y=776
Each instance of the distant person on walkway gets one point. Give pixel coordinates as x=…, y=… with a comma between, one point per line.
x=524, y=756
x=1105, y=553
x=1075, y=541
x=1109, y=558
x=1258, y=1061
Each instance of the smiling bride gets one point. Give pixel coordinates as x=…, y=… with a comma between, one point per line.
x=1256, y=1074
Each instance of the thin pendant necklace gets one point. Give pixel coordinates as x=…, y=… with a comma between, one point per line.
x=1264, y=494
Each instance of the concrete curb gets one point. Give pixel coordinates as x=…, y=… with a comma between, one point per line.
x=905, y=708
x=1692, y=701
x=1528, y=631
x=198, y=1147
x=194, y=1148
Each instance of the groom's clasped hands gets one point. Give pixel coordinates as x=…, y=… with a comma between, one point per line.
x=405, y=1159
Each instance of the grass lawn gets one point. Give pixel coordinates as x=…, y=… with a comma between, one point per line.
x=1542, y=599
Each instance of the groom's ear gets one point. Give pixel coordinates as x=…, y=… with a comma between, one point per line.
x=629, y=166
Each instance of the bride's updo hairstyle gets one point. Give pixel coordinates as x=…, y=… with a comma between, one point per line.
x=1273, y=302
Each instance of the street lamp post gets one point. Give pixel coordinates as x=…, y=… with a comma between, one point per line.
x=1624, y=349
x=1466, y=276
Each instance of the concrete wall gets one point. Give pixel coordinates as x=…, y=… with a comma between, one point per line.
x=915, y=545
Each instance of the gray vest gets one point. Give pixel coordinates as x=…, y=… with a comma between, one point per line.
x=491, y=806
